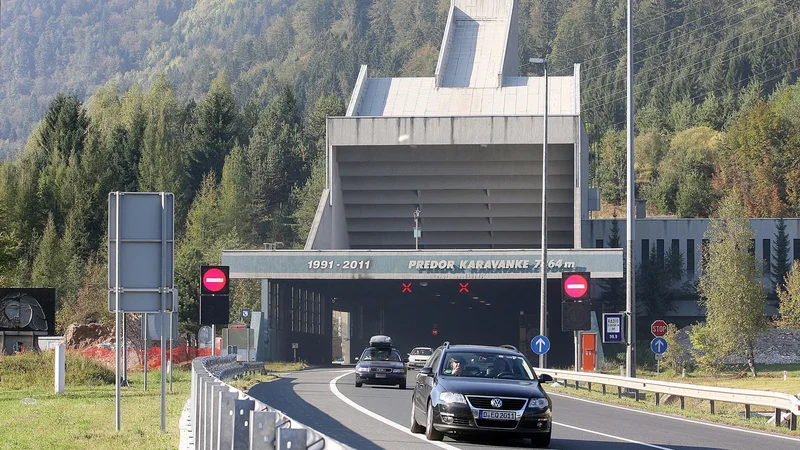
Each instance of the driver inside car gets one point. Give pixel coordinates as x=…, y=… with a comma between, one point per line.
x=499, y=365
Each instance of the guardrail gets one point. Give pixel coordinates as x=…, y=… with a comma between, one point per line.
x=225, y=418
x=777, y=400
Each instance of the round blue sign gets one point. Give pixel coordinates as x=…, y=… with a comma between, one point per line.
x=540, y=345
x=658, y=345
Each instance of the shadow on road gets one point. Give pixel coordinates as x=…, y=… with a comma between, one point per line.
x=281, y=396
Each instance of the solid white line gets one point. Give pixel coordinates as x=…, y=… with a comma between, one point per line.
x=379, y=418
x=397, y=426
x=681, y=419
x=612, y=436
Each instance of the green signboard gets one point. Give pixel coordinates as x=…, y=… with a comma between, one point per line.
x=412, y=264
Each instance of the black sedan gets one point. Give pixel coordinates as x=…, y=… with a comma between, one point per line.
x=465, y=389
x=382, y=366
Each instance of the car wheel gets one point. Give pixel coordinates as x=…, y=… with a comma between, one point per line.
x=415, y=427
x=430, y=433
x=541, y=440
x=402, y=384
x=358, y=384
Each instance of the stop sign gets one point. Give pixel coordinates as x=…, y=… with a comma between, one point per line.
x=576, y=285
x=214, y=279
x=658, y=328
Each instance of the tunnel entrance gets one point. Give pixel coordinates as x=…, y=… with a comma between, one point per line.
x=420, y=313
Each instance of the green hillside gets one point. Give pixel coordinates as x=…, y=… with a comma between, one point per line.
x=223, y=103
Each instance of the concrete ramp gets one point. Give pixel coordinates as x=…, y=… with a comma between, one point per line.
x=479, y=45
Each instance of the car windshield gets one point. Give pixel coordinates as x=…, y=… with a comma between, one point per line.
x=486, y=365
x=422, y=351
x=379, y=354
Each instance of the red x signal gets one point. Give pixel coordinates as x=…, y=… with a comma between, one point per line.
x=406, y=287
x=463, y=287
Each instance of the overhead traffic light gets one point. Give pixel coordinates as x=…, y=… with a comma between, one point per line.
x=575, y=286
x=214, y=280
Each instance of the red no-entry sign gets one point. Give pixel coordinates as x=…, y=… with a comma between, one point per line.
x=576, y=286
x=434, y=332
x=215, y=279
x=658, y=328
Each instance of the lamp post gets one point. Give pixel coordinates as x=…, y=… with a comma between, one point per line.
x=543, y=267
x=416, y=228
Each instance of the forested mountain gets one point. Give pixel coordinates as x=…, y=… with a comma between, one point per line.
x=223, y=103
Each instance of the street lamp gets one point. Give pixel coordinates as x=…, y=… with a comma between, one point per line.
x=543, y=267
x=417, y=232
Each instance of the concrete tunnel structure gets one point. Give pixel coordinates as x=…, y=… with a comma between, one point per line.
x=464, y=147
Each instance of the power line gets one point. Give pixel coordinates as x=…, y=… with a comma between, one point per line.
x=669, y=78
x=690, y=54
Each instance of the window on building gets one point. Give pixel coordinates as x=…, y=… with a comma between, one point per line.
x=645, y=249
x=765, y=255
x=660, y=252
x=796, y=250
x=752, y=250
x=598, y=243
x=676, y=246
x=690, y=256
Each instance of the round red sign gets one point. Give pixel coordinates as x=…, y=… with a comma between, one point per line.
x=576, y=286
x=214, y=279
x=658, y=328
x=435, y=332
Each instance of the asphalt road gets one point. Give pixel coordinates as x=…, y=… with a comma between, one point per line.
x=374, y=417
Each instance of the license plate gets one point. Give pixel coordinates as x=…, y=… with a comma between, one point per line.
x=380, y=375
x=498, y=415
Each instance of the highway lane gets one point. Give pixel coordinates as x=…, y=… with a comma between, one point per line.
x=378, y=417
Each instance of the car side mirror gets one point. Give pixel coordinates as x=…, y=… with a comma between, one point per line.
x=426, y=371
x=545, y=378
x=405, y=360
x=356, y=359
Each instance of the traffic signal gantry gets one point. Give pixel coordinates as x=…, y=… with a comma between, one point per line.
x=576, y=305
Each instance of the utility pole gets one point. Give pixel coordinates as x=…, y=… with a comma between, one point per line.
x=543, y=267
x=630, y=260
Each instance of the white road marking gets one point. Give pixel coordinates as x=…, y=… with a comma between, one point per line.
x=380, y=418
x=397, y=426
x=681, y=419
x=612, y=436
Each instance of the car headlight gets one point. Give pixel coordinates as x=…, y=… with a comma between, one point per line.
x=398, y=370
x=538, y=403
x=362, y=369
x=452, y=397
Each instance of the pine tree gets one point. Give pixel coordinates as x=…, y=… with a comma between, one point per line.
x=613, y=296
x=781, y=263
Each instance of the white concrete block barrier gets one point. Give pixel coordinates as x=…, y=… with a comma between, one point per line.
x=222, y=417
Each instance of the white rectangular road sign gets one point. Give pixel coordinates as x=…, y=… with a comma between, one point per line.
x=141, y=242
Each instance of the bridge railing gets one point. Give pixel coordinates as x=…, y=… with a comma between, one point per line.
x=780, y=402
x=225, y=418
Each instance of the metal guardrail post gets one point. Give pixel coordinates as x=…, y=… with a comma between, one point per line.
x=225, y=429
x=262, y=430
x=291, y=438
x=241, y=424
x=216, y=391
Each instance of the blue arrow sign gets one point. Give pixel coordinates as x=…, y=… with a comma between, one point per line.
x=245, y=314
x=540, y=345
x=658, y=345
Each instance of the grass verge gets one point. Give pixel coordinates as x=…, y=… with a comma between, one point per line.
x=33, y=416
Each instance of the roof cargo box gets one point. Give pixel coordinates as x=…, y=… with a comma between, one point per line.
x=380, y=341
